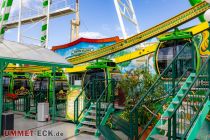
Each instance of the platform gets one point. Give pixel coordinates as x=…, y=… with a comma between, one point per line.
x=58, y=13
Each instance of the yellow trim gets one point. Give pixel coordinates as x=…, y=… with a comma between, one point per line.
x=194, y=30
x=145, y=35
x=139, y=53
x=199, y=28
x=156, y=61
x=79, y=68
x=29, y=69
x=136, y=54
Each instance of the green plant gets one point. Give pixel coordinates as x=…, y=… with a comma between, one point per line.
x=135, y=84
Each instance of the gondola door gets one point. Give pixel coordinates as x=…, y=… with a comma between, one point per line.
x=97, y=81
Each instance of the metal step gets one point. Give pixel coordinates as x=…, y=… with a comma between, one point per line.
x=199, y=89
x=164, y=118
x=175, y=102
x=103, y=105
x=87, y=129
x=90, y=117
x=163, y=127
x=189, y=82
x=158, y=137
x=170, y=110
x=94, y=112
x=89, y=123
x=180, y=95
x=185, y=88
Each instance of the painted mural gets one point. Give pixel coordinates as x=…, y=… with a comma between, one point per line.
x=82, y=46
x=85, y=45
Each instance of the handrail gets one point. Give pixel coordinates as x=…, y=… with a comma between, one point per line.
x=192, y=122
x=134, y=110
x=98, y=102
x=164, y=102
x=188, y=69
x=197, y=76
x=193, y=118
x=76, y=111
x=159, y=78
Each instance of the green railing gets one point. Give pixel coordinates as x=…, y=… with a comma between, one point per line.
x=21, y=104
x=106, y=98
x=38, y=98
x=186, y=112
x=168, y=81
x=90, y=93
x=79, y=110
x=165, y=100
x=61, y=109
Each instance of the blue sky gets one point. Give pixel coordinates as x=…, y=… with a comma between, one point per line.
x=99, y=19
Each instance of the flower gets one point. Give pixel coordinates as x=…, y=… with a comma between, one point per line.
x=11, y=96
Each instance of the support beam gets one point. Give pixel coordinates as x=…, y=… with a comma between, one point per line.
x=117, y=6
x=45, y=23
x=75, y=23
x=2, y=67
x=5, y=12
x=19, y=21
x=54, y=96
x=125, y=11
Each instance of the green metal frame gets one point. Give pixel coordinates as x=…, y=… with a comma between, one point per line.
x=102, y=64
x=134, y=114
x=193, y=3
x=51, y=77
x=177, y=35
x=3, y=64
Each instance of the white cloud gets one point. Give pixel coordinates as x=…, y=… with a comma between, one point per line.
x=93, y=35
x=34, y=4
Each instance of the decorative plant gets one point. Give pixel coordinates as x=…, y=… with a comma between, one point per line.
x=135, y=84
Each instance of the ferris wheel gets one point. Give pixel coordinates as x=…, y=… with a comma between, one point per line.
x=31, y=13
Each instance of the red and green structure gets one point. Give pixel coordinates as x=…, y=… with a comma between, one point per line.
x=5, y=13
x=45, y=23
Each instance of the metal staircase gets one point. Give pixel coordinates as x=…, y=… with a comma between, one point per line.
x=188, y=109
x=186, y=100
x=88, y=121
x=170, y=80
x=95, y=110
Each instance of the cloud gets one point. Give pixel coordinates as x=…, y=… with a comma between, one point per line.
x=34, y=4
x=93, y=35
